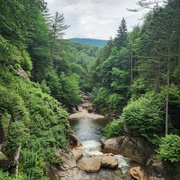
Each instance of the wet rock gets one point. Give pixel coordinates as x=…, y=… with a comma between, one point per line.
x=110, y=162
x=90, y=165
x=138, y=174
x=134, y=148
x=78, y=154
x=73, y=140
x=158, y=167
x=90, y=110
x=110, y=145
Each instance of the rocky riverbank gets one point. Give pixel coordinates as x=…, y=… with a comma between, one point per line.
x=82, y=163
x=85, y=110
x=104, y=160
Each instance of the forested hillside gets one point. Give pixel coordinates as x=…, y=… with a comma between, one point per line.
x=88, y=41
x=41, y=76
x=137, y=76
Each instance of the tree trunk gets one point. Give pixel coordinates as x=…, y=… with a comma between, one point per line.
x=157, y=80
x=167, y=91
x=179, y=56
x=53, y=50
x=131, y=67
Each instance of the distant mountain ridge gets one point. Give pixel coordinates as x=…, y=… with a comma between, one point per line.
x=89, y=41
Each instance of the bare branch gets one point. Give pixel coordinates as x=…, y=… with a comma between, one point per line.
x=146, y=4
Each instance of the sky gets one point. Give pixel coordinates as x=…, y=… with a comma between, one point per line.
x=98, y=19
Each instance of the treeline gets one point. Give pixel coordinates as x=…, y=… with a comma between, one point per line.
x=92, y=42
x=137, y=75
x=40, y=76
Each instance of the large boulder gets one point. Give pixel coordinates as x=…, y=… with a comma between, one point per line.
x=134, y=148
x=90, y=110
x=138, y=174
x=77, y=153
x=90, y=165
x=73, y=140
x=110, y=145
x=110, y=162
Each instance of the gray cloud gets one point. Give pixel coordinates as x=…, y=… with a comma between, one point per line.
x=95, y=18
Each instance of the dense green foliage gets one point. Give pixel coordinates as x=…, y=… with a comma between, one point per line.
x=115, y=128
x=145, y=116
x=136, y=75
x=169, y=148
x=35, y=121
x=40, y=74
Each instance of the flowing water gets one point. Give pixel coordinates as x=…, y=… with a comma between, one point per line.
x=89, y=133
x=88, y=129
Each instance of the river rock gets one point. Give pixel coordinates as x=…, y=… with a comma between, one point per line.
x=110, y=162
x=90, y=165
x=73, y=140
x=77, y=153
x=66, y=171
x=110, y=145
x=134, y=148
x=158, y=167
x=138, y=174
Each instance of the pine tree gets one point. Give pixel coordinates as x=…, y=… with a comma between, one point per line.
x=57, y=27
x=121, y=34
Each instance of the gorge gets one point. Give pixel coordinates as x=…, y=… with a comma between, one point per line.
x=134, y=78
x=97, y=158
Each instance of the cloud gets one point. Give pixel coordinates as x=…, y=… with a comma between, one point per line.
x=95, y=18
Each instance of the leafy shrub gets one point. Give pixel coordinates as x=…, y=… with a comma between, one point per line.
x=145, y=116
x=17, y=134
x=169, y=148
x=13, y=103
x=115, y=101
x=70, y=90
x=44, y=87
x=114, y=128
x=101, y=98
x=7, y=51
x=5, y=176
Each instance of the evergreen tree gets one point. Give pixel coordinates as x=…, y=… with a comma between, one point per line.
x=57, y=27
x=121, y=34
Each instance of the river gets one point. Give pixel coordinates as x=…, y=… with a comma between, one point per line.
x=89, y=132
x=88, y=129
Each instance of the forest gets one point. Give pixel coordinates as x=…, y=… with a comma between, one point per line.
x=134, y=80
